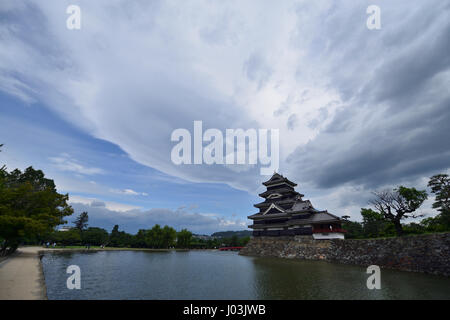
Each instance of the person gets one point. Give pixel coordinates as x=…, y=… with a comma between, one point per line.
x=47, y=244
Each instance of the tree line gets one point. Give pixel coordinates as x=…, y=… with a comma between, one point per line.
x=157, y=237
x=391, y=207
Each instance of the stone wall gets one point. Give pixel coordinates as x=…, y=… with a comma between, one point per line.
x=423, y=253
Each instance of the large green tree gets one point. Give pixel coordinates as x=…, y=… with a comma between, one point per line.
x=399, y=204
x=30, y=207
x=440, y=186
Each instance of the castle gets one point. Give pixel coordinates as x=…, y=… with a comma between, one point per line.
x=284, y=213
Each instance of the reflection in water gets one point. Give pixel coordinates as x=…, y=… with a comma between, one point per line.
x=225, y=275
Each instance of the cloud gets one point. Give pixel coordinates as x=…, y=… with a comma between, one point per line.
x=134, y=219
x=394, y=119
x=129, y=192
x=292, y=121
x=354, y=107
x=95, y=203
x=98, y=204
x=65, y=163
x=257, y=69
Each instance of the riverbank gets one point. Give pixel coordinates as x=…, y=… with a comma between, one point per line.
x=428, y=253
x=21, y=276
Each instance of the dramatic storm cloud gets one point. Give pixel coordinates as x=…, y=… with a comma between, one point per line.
x=357, y=109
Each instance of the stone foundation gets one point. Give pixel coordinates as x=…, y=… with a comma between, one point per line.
x=423, y=253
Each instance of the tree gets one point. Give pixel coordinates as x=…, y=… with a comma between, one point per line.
x=140, y=239
x=234, y=241
x=373, y=225
x=434, y=224
x=243, y=241
x=414, y=228
x=184, y=238
x=119, y=238
x=30, y=207
x=354, y=229
x=66, y=238
x=168, y=237
x=94, y=236
x=114, y=237
x=155, y=237
x=399, y=204
x=81, y=221
x=440, y=186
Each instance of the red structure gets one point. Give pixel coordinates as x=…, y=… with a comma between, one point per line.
x=230, y=248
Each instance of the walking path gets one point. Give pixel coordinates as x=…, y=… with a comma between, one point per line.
x=21, y=276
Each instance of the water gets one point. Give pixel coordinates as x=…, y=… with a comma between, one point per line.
x=225, y=275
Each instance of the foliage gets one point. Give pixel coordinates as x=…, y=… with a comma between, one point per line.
x=30, y=207
x=81, y=221
x=169, y=236
x=66, y=238
x=401, y=203
x=374, y=225
x=184, y=238
x=140, y=239
x=403, y=200
x=440, y=186
x=94, y=236
x=354, y=229
x=119, y=238
x=414, y=228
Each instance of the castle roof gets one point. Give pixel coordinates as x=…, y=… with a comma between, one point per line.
x=278, y=179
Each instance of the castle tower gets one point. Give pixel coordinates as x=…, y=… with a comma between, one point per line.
x=284, y=213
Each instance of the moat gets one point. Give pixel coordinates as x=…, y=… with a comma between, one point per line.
x=225, y=275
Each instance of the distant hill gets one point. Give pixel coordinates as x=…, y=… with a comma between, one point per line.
x=229, y=234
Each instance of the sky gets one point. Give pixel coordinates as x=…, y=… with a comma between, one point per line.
x=357, y=110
